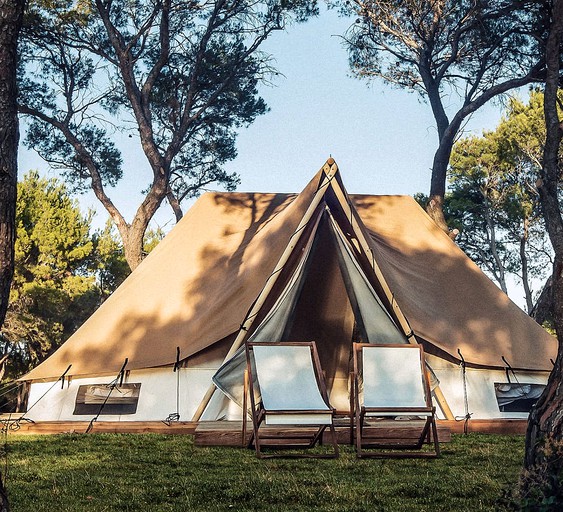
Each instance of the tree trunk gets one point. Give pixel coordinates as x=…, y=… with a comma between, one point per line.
x=11, y=15
x=11, y=12
x=543, y=308
x=525, y=272
x=435, y=207
x=546, y=419
x=133, y=243
x=498, y=271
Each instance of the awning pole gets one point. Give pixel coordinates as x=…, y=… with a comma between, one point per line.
x=330, y=169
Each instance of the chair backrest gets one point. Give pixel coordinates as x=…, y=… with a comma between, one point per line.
x=287, y=377
x=393, y=376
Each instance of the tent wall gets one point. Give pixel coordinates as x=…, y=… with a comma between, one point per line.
x=157, y=397
x=482, y=402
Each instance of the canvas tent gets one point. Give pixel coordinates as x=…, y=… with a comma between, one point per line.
x=320, y=265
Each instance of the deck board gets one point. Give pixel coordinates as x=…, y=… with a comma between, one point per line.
x=114, y=427
x=229, y=433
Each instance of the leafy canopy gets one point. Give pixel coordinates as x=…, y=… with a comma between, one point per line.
x=62, y=271
x=493, y=199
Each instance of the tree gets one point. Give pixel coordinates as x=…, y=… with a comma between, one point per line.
x=446, y=49
x=177, y=78
x=494, y=201
x=62, y=272
x=545, y=426
x=11, y=13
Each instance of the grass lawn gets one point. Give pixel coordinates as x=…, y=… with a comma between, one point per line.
x=149, y=472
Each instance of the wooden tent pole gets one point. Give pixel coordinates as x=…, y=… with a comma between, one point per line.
x=330, y=169
x=405, y=326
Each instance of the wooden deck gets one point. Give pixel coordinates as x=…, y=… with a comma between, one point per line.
x=229, y=433
x=503, y=426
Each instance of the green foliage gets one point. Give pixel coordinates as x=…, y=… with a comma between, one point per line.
x=152, y=238
x=98, y=472
x=62, y=272
x=190, y=83
x=110, y=266
x=458, y=46
x=493, y=199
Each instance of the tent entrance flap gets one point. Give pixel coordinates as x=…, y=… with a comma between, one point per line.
x=325, y=299
x=376, y=323
x=229, y=377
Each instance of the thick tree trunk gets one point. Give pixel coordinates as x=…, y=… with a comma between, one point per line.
x=546, y=419
x=11, y=14
x=133, y=242
x=545, y=423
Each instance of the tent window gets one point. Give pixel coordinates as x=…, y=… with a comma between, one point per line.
x=114, y=399
x=517, y=397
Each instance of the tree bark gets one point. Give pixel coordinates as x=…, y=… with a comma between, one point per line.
x=11, y=12
x=546, y=419
x=525, y=272
x=543, y=308
x=11, y=15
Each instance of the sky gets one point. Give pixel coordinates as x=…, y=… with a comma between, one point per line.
x=383, y=139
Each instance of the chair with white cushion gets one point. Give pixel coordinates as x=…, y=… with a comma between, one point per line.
x=391, y=382
x=289, y=401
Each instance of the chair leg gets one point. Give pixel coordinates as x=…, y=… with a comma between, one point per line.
x=359, y=432
x=435, y=436
x=334, y=440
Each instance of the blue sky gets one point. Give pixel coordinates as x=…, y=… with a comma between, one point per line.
x=382, y=138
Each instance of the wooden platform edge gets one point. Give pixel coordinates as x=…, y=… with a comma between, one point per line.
x=108, y=427
x=229, y=433
x=500, y=426
x=494, y=426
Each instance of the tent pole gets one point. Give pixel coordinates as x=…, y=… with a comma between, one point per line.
x=244, y=408
x=405, y=326
x=330, y=169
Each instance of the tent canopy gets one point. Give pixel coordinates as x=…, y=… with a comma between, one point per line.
x=195, y=289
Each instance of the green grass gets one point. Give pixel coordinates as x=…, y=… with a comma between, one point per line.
x=111, y=472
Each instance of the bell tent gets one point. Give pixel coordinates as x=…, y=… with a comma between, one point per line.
x=321, y=265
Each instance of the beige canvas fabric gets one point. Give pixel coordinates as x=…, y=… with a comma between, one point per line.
x=196, y=287
x=191, y=291
x=444, y=295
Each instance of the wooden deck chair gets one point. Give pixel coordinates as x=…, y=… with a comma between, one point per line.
x=293, y=409
x=391, y=381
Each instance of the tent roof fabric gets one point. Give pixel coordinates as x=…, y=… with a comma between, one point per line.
x=196, y=287
x=446, y=297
